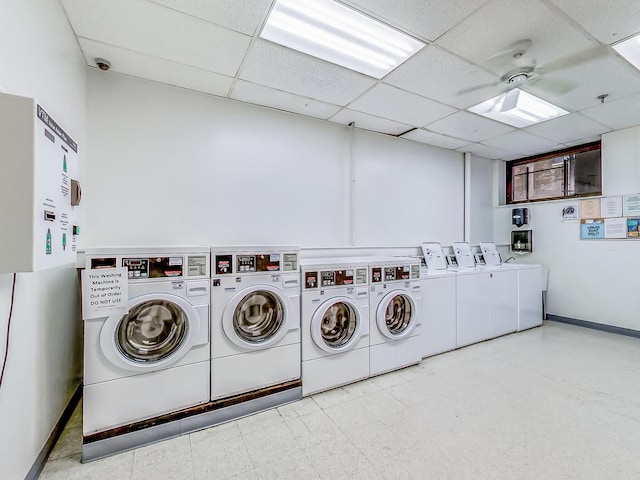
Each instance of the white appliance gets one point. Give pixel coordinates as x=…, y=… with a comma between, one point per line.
x=395, y=304
x=155, y=359
x=255, y=318
x=439, y=328
x=335, y=323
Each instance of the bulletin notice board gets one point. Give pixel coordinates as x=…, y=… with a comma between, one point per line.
x=616, y=217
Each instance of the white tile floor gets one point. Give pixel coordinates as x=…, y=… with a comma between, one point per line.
x=556, y=402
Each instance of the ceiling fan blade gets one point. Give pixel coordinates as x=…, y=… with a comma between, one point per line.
x=477, y=87
x=552, y=86
x=573, y=60
x=515, y=50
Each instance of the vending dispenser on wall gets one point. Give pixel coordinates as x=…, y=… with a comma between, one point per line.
x=39, y=191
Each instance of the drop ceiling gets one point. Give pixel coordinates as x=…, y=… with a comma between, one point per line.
x=213, y=46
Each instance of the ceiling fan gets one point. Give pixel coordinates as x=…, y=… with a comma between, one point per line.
x=517, y=70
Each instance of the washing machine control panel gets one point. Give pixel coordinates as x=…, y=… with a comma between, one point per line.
x=154, y=267
x=335, y=278
x=394, y=273
x=255, y=263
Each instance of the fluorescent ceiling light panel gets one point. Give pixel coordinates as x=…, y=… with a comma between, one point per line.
x=338, y=34
x=630, y=49
x=518, y=109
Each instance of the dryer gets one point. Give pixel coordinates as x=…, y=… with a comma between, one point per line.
x=335, y=323
x=395, y=311
x=153, y=360
x=255, y=319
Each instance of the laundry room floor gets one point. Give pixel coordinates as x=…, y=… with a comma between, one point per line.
x=555, y=402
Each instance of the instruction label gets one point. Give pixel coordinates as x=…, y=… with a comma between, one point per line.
x=105, y=292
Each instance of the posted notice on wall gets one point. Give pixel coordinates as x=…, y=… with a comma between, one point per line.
x=611, y=207
x=631, y=205
x=615, y=227
x=590, y=208
x=105, y=292
x=592, y=229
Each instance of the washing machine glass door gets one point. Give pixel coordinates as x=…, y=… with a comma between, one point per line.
x=396, y=315
x=154, y=333
x=336, y=325
x=256, y=317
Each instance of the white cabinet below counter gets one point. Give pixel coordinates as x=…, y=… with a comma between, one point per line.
x=439, y=314
x=487, y=304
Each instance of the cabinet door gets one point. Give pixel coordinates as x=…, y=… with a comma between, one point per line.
x=473, y=293
x=439, y=315
x=529, y=298
x=504, y=306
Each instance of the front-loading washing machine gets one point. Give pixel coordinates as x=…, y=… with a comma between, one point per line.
x=255, y=319
x=335, y=323
x=153, y=360
x=395, y=304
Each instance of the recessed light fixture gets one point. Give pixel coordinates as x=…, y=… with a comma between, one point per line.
x=338, y=34
x=518, y=109
x=630, y=49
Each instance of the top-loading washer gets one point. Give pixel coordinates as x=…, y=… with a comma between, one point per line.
x=335, y=323
x=255, y=318
x=154, y=359
x=395, y=304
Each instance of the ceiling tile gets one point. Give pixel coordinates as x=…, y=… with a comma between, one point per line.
x=468, y=126
x=577, y=87
x=485, y=151
x=428, y=20
x=424, y=136
x=156, y=69
x=567, y=128
x=160, y=32
x=437, y=74
x=523, y=142
x=607, y=20
x=492, y=29
x=622, y=113
x=399, y=105
x=369, y=122
x=244, y=16
x=270, y=97
x=278, y=67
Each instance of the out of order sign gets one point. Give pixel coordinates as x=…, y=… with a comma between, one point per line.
x=105, y=292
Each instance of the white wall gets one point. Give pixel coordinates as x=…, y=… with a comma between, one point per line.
x=40, y=58
x=592, y=280
x=482, y=200
x=170, y=166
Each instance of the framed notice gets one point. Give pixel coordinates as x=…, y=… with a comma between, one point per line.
x=631, y=205
x=590, y=208
x=592, y=229
x=611, y=207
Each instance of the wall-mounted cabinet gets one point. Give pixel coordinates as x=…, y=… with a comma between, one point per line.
x=37, y=188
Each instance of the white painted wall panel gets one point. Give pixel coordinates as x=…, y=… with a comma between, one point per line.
x=172, y=166
x=481, y=200
x=407, y=193
x=592, y=280
x=40, y=59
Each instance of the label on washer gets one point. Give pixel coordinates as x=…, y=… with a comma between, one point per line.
x=105, y=292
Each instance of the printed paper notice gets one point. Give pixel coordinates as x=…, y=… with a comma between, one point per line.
x=570, y=213
x=105, y=292
x=590, y=208
x=631, y=205
x=615, y=227
x=591, y=229
x=611, y=207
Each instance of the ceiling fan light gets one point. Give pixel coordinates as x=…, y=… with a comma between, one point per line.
x=630, y=50
x=518, y=109
x=338, y=34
